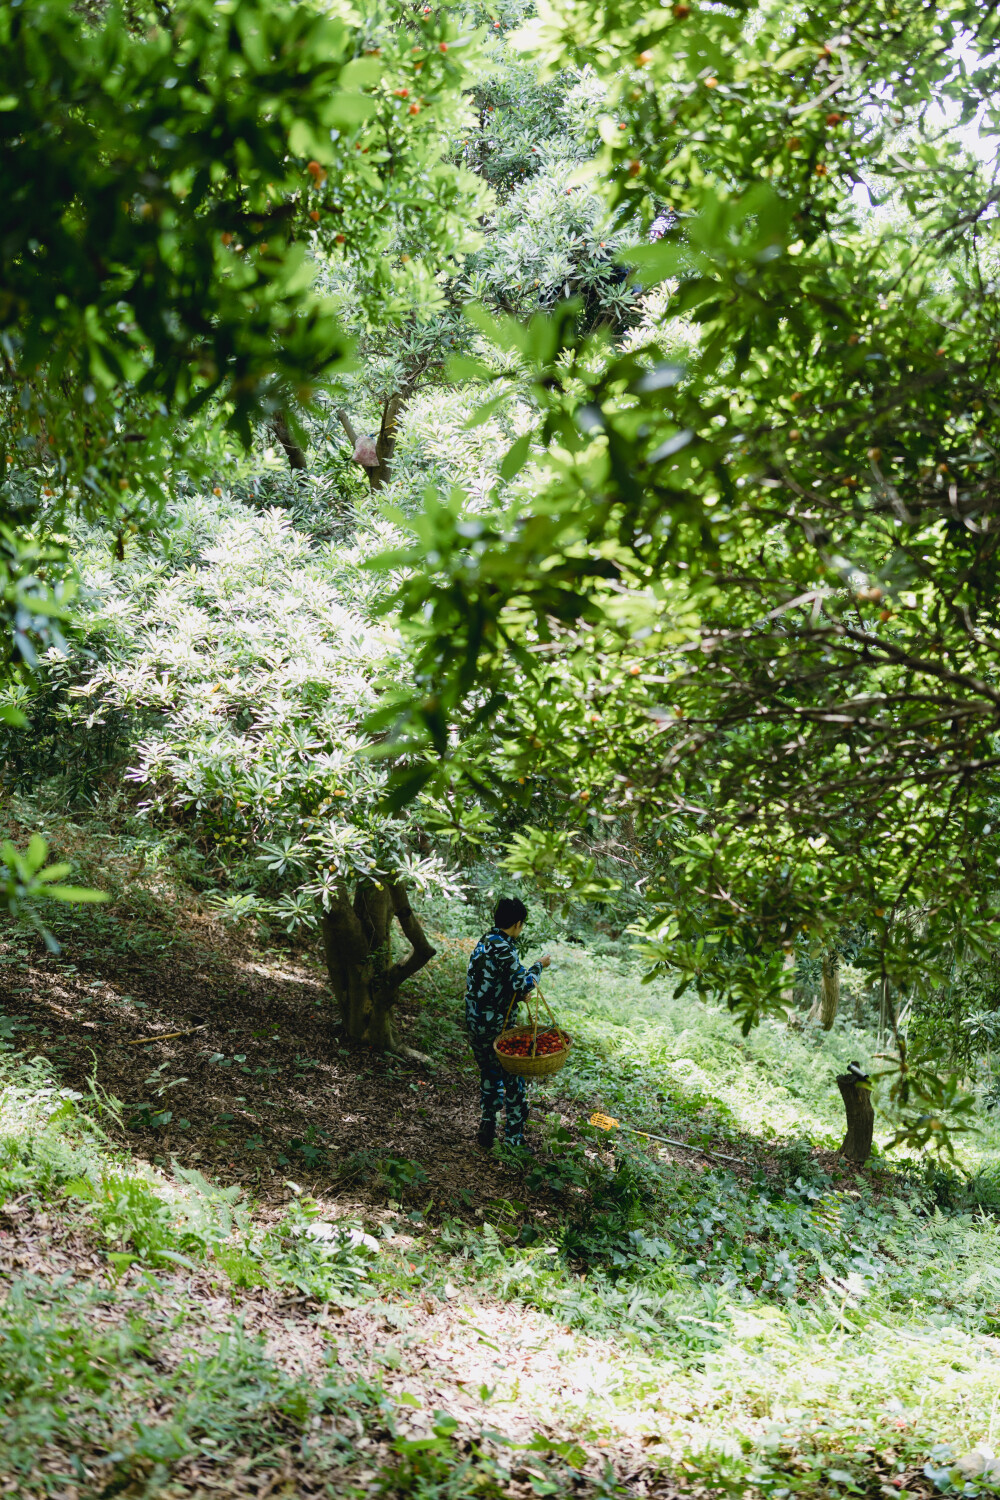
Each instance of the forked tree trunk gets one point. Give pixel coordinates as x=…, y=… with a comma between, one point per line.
x=860, y=1118
x=358, y=951
x=830, y=992
x=380, y=472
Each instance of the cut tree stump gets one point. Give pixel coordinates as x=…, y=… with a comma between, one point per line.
x=860, y=1118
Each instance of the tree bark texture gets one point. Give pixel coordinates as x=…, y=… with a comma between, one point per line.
x=860, y=1119
x=294, y=451
x=358, y=951
x=830, y=991
x=788, y=988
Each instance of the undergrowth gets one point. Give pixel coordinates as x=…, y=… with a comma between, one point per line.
x=123, y=1383
x=774, y=1324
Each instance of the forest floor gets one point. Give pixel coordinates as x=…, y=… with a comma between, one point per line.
x=254, y=1082
x=255, y=1261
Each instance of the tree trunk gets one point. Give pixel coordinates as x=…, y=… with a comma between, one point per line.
x=830, y=991
x=788, y=988
x=294, y=451
x=380, y=473
x=358, y=952
x=860, y=1118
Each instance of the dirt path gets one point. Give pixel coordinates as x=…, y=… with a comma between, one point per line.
x=266, y=1089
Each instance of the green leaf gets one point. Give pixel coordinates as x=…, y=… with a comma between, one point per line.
x=75, y=893
x=80, y=1187
x=404, y=787
x=516, y=457
x=34, y=855
x=175, y=1259
x=346, y=110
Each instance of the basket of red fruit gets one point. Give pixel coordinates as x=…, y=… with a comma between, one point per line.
x=530, y=1052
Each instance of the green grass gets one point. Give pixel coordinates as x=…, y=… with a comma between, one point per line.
x=122, y=1374
x=789, y=1327
x=640, y=1047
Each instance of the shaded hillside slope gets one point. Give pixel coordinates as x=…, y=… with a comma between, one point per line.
x=253, y=1261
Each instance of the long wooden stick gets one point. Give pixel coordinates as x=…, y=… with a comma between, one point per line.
x=166, y=1036
x=667, y=1140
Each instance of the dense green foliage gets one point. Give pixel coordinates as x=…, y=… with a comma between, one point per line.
x=445, y=452
x=165, y=178
x=724, y=518
x=745, y=601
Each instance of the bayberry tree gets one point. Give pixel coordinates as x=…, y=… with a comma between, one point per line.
x=750, y=597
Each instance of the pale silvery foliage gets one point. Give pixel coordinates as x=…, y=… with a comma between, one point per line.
x=660, y=332
x=440, y=444
x=548, y=241
x=247, y=659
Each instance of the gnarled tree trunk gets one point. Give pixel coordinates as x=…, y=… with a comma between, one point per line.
x=358, y=951
x=860, y=1118
x=830, y=993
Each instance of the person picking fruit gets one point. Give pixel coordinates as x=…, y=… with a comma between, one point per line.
x=496, y=975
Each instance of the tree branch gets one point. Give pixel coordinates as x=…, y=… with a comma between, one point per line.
x=348, y=427
x=421, y=953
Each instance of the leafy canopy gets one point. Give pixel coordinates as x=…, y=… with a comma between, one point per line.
x=170, y=178
x=747, y=603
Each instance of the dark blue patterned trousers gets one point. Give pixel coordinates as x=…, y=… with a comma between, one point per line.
x=497, y=1088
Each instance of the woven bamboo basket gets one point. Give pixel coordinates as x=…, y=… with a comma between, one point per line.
x=531, y=1067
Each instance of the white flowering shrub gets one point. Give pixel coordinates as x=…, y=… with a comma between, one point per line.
x=245, y=658
x=551, y=240
x=440, y=443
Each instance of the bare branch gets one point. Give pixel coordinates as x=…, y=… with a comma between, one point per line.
x=348, y=426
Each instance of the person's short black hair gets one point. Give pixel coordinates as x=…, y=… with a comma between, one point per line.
x=509, y=912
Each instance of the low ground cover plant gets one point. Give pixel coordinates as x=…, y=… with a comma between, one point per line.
x=730, y=1302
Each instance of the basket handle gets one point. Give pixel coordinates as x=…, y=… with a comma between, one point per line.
x=513, y=1001
x=532, y=1018
x=547, y=1006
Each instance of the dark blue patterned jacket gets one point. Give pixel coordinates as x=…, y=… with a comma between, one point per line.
x=496, y=974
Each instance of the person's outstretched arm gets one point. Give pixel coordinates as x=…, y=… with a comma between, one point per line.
x=523, y=979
